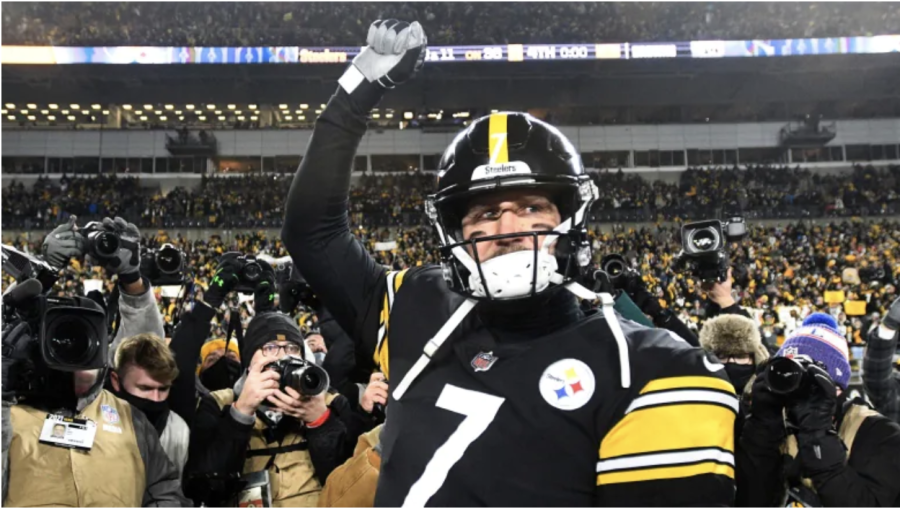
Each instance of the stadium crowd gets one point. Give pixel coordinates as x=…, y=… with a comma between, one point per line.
x=344, y=23
x=397, y=200
x=784, y=270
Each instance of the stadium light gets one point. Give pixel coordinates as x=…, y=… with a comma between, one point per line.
x=95, y=106
x=93, y=118
x=11, y=117
x=494, y=111
x=241, y=118
x=238, y=112
x=65, y=112
x=2, y=112
x=251, y=106
x=301, y=117
x=202, y=118
x=30, y=117
x=31, y=106
x=71, y=117
x=148, y=106
x=11, y=106
x=254, y=118
x=231, y=106
x=282, y=106
x=51, y=117
x=44, y=112
x=376, y=115
x=189, y=106
x=158, y=112
x=222, y=118
x=389, y=115
x=106, y=112
x=299, y=112
x=126, y=106
x=210, y=106
x=304, y=106
x=170, y=107
x=163, y=118
x=178, y=112
x=408, y=115
x=144, y=118
x=53, y=106
x=288, y=117
x=138, y=112
x=322, y=106
x=218, y=112
x=181, y=117
x=318, y=112
x=24, y=112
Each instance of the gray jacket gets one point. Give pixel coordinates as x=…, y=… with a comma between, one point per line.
x=140, y=314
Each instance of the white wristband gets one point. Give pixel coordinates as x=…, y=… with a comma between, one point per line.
x=351, y=79
x=885, y=333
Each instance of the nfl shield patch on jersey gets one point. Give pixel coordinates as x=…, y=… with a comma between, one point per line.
x=110, y=414
x=567, y=384
x=483, y=361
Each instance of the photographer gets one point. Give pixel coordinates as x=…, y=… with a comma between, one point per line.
x=44, y=380
x=881, y=380
x=840, y=452
x=261, y=425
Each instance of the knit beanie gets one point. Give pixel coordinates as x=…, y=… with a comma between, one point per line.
x=266, y=327
x=819, y=339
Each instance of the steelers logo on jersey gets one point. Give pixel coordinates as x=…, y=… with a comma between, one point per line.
x=567, y=384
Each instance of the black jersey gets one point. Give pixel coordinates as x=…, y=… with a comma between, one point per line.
x=547, y=423
x=543, y=422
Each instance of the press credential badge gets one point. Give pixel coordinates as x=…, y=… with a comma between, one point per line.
x=68, y=432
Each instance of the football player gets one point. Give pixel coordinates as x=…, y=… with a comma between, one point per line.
x=503, y=391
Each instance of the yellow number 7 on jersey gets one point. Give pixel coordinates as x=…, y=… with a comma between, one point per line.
x=480, y=410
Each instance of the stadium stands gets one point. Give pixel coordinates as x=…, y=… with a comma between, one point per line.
x=330, y=24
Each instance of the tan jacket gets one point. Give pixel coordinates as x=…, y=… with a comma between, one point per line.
x=353, y=484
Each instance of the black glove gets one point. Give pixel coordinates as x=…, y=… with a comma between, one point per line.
x=63, y=244
x=892, y=318
x=394, y=53
x=820, y=450
x=813, y=411
x=223, y=282
x=766, y=406
x=289, y=296
x=18, y=347
x=127, y=261
x=265, y=292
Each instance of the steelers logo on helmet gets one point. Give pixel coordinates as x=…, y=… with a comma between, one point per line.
x=499, y=153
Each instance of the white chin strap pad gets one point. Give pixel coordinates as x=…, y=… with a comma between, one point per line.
x=512, y=275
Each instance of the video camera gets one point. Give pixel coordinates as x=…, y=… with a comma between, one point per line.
x=301, y=375
x=24, y=266
x=163, y=266
x=704, y=246
x=617, y=271
x=249, y=271
x=292, y=286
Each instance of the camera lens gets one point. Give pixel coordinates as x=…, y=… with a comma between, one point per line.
x=309, y=380
x=105, y=244
x=70, y=341
x=613, y=266
x=783, y=375
x=168, y=259
x=704, y=239
x=252, y=271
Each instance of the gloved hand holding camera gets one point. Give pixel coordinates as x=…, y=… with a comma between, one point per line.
x=115, y=245
x=265, y=292
x=224, y=281
x=63, y=243
x=18, y=344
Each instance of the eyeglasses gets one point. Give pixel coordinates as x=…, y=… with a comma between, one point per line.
x=735, y=359
x=271, y=349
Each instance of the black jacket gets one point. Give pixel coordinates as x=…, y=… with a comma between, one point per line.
x=869, y=478
x=191, y=334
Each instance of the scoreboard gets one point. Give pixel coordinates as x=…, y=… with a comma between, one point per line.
x=446, y=54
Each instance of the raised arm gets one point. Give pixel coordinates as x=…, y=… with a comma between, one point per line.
x=316, y=226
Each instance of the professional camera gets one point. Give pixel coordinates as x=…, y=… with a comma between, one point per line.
x=703, y=247
x=301, y=375
x=24, y=266
x=250, y=271
x=292, y=286
x=621, y=276
x=163, y=266
x=789, y=375
x=102, y=244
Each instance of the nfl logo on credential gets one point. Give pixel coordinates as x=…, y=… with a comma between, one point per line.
x=110, y=414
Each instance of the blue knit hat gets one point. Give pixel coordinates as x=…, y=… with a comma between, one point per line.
x=819, y=339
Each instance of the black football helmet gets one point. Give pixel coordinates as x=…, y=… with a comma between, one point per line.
x=499, y=152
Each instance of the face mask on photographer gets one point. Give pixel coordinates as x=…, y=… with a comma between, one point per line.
x=739, y=374
x=222, y=374
x=157, y=412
